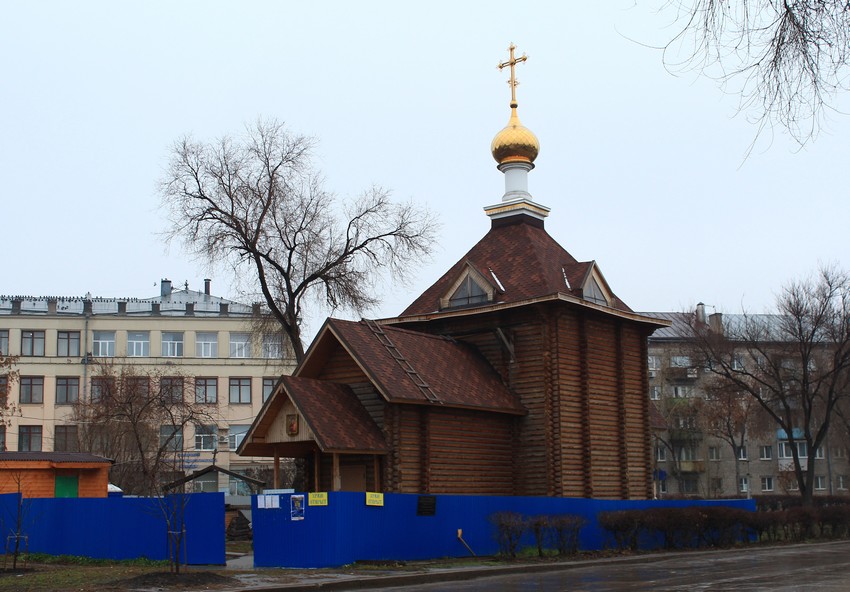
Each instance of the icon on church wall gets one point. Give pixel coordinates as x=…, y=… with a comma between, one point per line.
x=292, y=424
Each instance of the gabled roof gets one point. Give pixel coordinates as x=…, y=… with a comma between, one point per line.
x=337, y=419
x=398, y=361
x=527, y=262
x=213, y=469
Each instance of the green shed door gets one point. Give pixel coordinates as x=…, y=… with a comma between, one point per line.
x=67, y=486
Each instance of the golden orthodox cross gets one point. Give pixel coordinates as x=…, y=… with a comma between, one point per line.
x=512, y=62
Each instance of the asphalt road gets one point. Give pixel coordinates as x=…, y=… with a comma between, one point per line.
x=822, y=567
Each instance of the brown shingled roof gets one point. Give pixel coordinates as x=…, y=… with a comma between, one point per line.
x=456, y=374
x=527, y=261
x=338, y=420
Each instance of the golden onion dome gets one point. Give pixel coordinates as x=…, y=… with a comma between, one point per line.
x=515, y=143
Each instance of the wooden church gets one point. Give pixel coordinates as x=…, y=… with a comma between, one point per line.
x=518, y=372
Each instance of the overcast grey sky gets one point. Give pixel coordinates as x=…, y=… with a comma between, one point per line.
x=645, y=172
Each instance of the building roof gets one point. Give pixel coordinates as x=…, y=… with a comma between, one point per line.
x=522, y=261
x=399, y=362
x=405, y=367
x=767, y=326
x=170, y=303
x=337, y=419
x=55, y=457
x=680, y=325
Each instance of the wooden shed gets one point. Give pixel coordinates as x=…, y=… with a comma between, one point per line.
x=54, y=474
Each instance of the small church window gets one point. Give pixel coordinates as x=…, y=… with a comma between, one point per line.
x=469, y=292
x=593, y=293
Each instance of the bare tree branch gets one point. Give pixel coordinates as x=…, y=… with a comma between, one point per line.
x=790, y=56
x=257, y=203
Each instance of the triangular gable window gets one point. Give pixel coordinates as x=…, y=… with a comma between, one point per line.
x=469, y=292
x=469, y=289
x=594, y=293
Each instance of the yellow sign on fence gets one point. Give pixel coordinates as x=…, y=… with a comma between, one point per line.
x=318, y=499
x=374, y=499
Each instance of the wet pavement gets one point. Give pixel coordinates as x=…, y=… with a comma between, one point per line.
x=788, y=568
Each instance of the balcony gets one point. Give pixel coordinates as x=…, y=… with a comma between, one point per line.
x=685, y=435
x=677, y=373
x=691, y=466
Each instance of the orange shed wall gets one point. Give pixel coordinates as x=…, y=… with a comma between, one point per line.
x=41, y=482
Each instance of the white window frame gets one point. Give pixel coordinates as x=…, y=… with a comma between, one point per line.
x=766, y=452
x=172, y=344
x=680, y=361
x=655, y=393
x=206, y=344
x=820, y=483
x=653, y=362
x=235, y=434
x=683, y=391
x=103, y=344
x=743, y=484
x=240, y=345
x=767, y=483
x=742, y=452
x=141, y=347
x=713, y=453
x=686, y=453
x=785, y=449
x=841, y=482
x=206, y=437
x=661, y=453
x=272, y=346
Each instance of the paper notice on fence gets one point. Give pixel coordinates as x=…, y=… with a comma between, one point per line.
x=296, y=508
x=261, y=502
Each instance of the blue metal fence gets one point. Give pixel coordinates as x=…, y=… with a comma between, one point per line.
x=347, y=530
x=116, y=528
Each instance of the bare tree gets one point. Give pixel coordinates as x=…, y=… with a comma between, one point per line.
x=138, y=419
x=795, y=364
x=790, y=55
x=732, y=417
x=256, y=202
x=680, y=437
x=8, y=377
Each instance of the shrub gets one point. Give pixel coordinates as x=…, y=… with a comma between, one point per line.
x=510, y=527
x=835, y=520
x=800, y=521
x=678, y=527
x=564, y=532
x=538, y=526
x=623, y=526
x=723, y=526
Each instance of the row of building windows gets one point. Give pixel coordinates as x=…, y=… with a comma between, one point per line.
x=138, y=344
x=784, y=451
x=690, y=485
x=31, y=389
x=65, y=438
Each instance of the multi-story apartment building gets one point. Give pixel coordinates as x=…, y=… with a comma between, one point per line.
x=206, y=345
x=694, y=456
